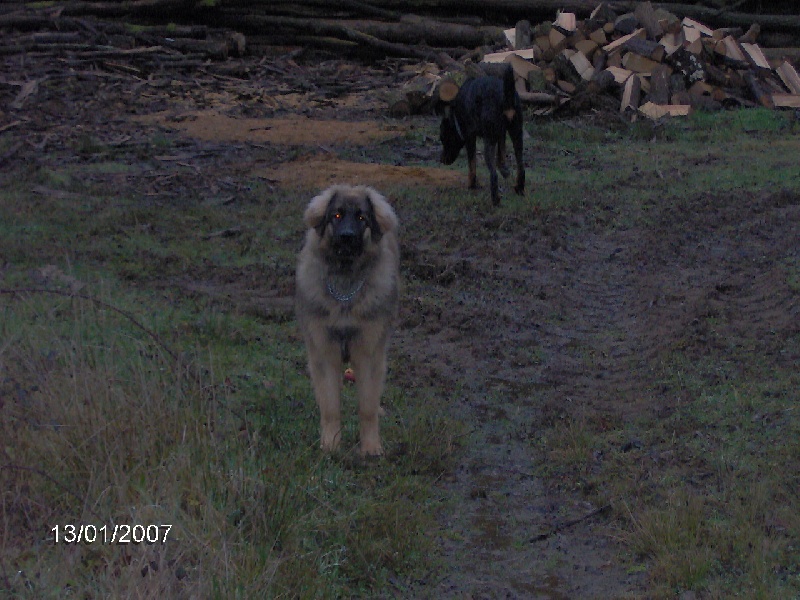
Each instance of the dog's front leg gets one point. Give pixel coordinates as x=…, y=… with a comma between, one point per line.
x=473, y=167
x=501, y=156
x=370, y=370
x=490, y=152
x=326, y=377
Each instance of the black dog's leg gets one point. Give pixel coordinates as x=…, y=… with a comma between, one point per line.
x=490, y=152
x=501, y=156
x=473, y=170
x=516, y=140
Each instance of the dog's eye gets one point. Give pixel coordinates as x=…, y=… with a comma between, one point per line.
x=362, y=218
x=337, y=216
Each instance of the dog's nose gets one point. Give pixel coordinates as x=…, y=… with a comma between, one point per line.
x=348, y=238
x=346, y=230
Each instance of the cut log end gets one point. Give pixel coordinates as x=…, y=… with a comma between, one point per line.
x=448, y=90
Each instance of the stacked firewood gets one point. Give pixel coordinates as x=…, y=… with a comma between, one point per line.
x=656, y=63
x=648, y=62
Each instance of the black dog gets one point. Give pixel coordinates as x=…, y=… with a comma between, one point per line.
x=485, y=107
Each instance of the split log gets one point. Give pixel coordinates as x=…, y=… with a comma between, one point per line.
x=751, y=35
x=786, y=100
x=754, y=55
x=647, y=48
x=620, y=75
x=522, y=34
x=659, y=85
x=565, y=22
x=789, y=76
x=646, y=16
x=657, y=111
x=640, y=33
x=638, y=63
x=415, y=97
x=630, y=95
x=538, y=98
x=522, y=68
x=757, y=90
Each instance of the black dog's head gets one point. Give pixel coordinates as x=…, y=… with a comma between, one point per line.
x=450, y=135
x=450, y=131
x=349, y=221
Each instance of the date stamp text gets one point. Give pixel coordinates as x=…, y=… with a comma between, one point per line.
x=110, y=534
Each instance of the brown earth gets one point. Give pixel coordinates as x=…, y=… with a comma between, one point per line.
x=567, y=319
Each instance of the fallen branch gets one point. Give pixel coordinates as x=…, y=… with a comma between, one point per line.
x=559, y=527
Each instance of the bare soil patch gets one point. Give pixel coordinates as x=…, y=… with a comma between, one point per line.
x=315, y=172
x=290, y=131
x=317, y=169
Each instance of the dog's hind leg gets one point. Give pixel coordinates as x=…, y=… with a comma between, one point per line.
x=501, y=157
x=516, y=140
x=472, y=179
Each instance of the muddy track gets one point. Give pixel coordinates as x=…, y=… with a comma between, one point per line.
x=572, y=322
x=546, y=337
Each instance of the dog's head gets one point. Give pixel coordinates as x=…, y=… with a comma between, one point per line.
x=450, y=132
x=349, y=220
x=451, y=137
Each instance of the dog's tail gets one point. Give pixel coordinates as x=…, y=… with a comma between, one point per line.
x=509, y=93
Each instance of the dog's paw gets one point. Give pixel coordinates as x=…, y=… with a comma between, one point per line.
x=330, y=440
x=371, y=450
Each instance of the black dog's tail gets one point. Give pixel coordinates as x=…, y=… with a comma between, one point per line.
x=509, y=93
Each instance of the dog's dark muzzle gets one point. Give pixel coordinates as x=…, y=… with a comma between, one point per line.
x=348, y=242
x=448, y=157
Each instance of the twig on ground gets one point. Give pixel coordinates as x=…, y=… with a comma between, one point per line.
x=559, y=527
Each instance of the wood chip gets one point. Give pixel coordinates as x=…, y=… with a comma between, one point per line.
x=656, y=111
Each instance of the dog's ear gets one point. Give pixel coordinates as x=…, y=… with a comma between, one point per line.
x=316, y=214
x=383, y=218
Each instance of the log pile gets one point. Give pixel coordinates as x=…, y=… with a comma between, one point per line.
x=115, y=46
x=652, y=61
x=646, y=62
x=626, y=55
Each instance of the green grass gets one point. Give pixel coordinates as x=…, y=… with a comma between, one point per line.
x=138, y=401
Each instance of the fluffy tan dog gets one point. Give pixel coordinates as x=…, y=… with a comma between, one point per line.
x=346, y=303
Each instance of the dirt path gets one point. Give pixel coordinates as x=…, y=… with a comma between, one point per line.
x=544, y=336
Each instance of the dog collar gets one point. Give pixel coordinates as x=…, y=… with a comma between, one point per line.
x=344, y=297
